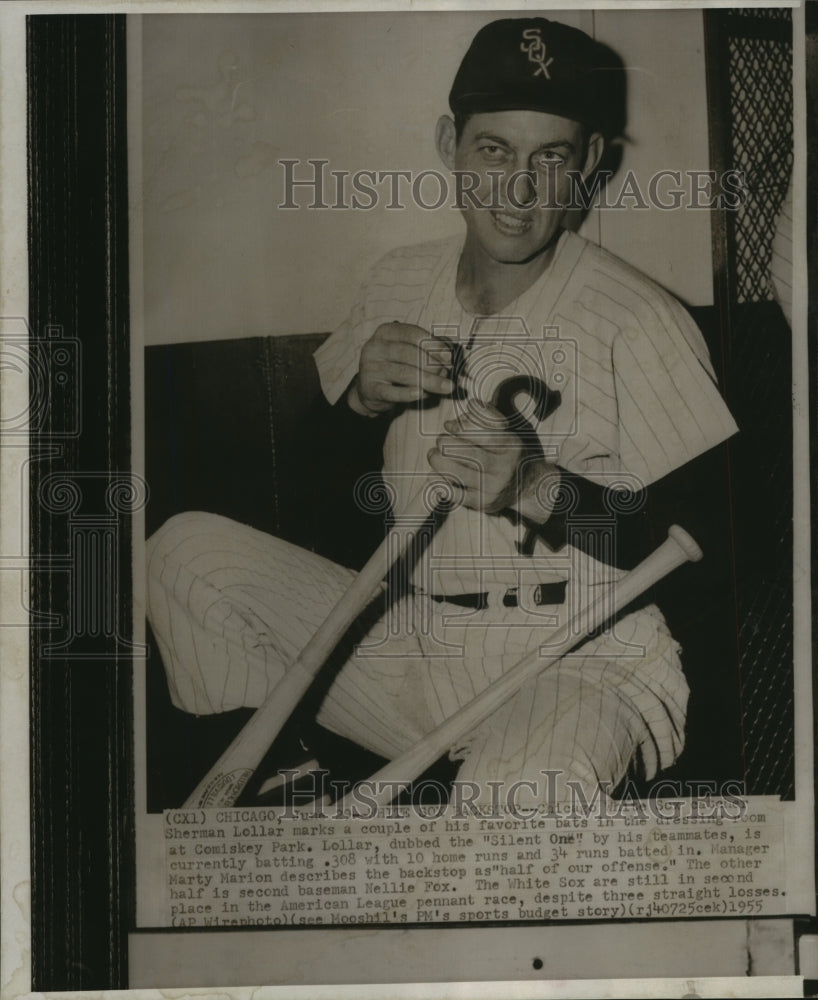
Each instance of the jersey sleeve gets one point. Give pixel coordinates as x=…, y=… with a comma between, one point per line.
x=670, y=410
x=338, y=357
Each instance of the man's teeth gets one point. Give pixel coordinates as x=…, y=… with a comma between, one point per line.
x=512, y=222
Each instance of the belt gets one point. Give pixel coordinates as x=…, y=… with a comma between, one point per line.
x=543, y=593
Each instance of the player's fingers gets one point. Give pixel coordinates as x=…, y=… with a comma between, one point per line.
x=441, y=385
x=390, y=393
x=428, y=381
x=478, y=436
x=441, y=356
x=468, y=474
x=441, y=350
x=436, y=350
x=396, y=373
x=410, y=333
x=470, y=467
x=405, y=353
x=466, y=471
x=406, y=375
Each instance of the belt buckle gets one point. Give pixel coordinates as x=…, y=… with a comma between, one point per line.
x=510, y=597
x=536, y=595
x=550, y=594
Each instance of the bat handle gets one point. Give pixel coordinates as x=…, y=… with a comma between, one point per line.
x=687, y=543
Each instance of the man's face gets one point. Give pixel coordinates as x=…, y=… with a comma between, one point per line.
x=525, y=213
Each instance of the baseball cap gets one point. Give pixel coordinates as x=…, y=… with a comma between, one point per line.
x=531, y=64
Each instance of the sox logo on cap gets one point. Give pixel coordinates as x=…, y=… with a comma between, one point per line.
x=535, y=50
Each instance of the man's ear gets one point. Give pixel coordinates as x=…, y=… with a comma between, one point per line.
x=446, y=140
x=596, y=145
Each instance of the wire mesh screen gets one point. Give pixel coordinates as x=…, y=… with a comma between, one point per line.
x=750, y=76
x=768, y=695
x=760, y=74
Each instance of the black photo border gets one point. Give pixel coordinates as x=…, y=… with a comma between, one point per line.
x=81, y=740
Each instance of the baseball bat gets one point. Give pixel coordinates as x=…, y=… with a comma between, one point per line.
x=224, y=782
x=386, y=783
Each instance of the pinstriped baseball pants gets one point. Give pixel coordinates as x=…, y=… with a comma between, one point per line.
x=231, y=607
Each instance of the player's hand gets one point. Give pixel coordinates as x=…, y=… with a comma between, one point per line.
x=479, y=452
x=399, y=365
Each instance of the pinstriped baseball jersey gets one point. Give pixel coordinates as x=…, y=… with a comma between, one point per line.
x=638, y=396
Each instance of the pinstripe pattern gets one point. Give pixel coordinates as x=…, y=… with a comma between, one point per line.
x=638, y=397
x=231, y=607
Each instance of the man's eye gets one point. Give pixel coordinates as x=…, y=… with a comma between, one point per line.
x=549, y=159
x=492, y=152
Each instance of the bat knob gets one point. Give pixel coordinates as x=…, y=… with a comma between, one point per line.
x=685, y=542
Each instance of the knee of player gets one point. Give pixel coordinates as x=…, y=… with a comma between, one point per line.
x=172, y=542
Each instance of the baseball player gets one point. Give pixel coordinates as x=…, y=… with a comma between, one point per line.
x=559, y=392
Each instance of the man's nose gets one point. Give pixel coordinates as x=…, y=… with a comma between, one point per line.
x=523, y=188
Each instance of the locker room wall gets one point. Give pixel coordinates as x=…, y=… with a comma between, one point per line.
x=221, y=98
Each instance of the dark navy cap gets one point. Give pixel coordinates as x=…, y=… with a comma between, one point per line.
x=531, y=64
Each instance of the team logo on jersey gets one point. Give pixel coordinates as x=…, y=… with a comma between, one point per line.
x=534, y=47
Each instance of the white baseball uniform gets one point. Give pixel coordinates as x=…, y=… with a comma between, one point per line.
x=231, y=606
